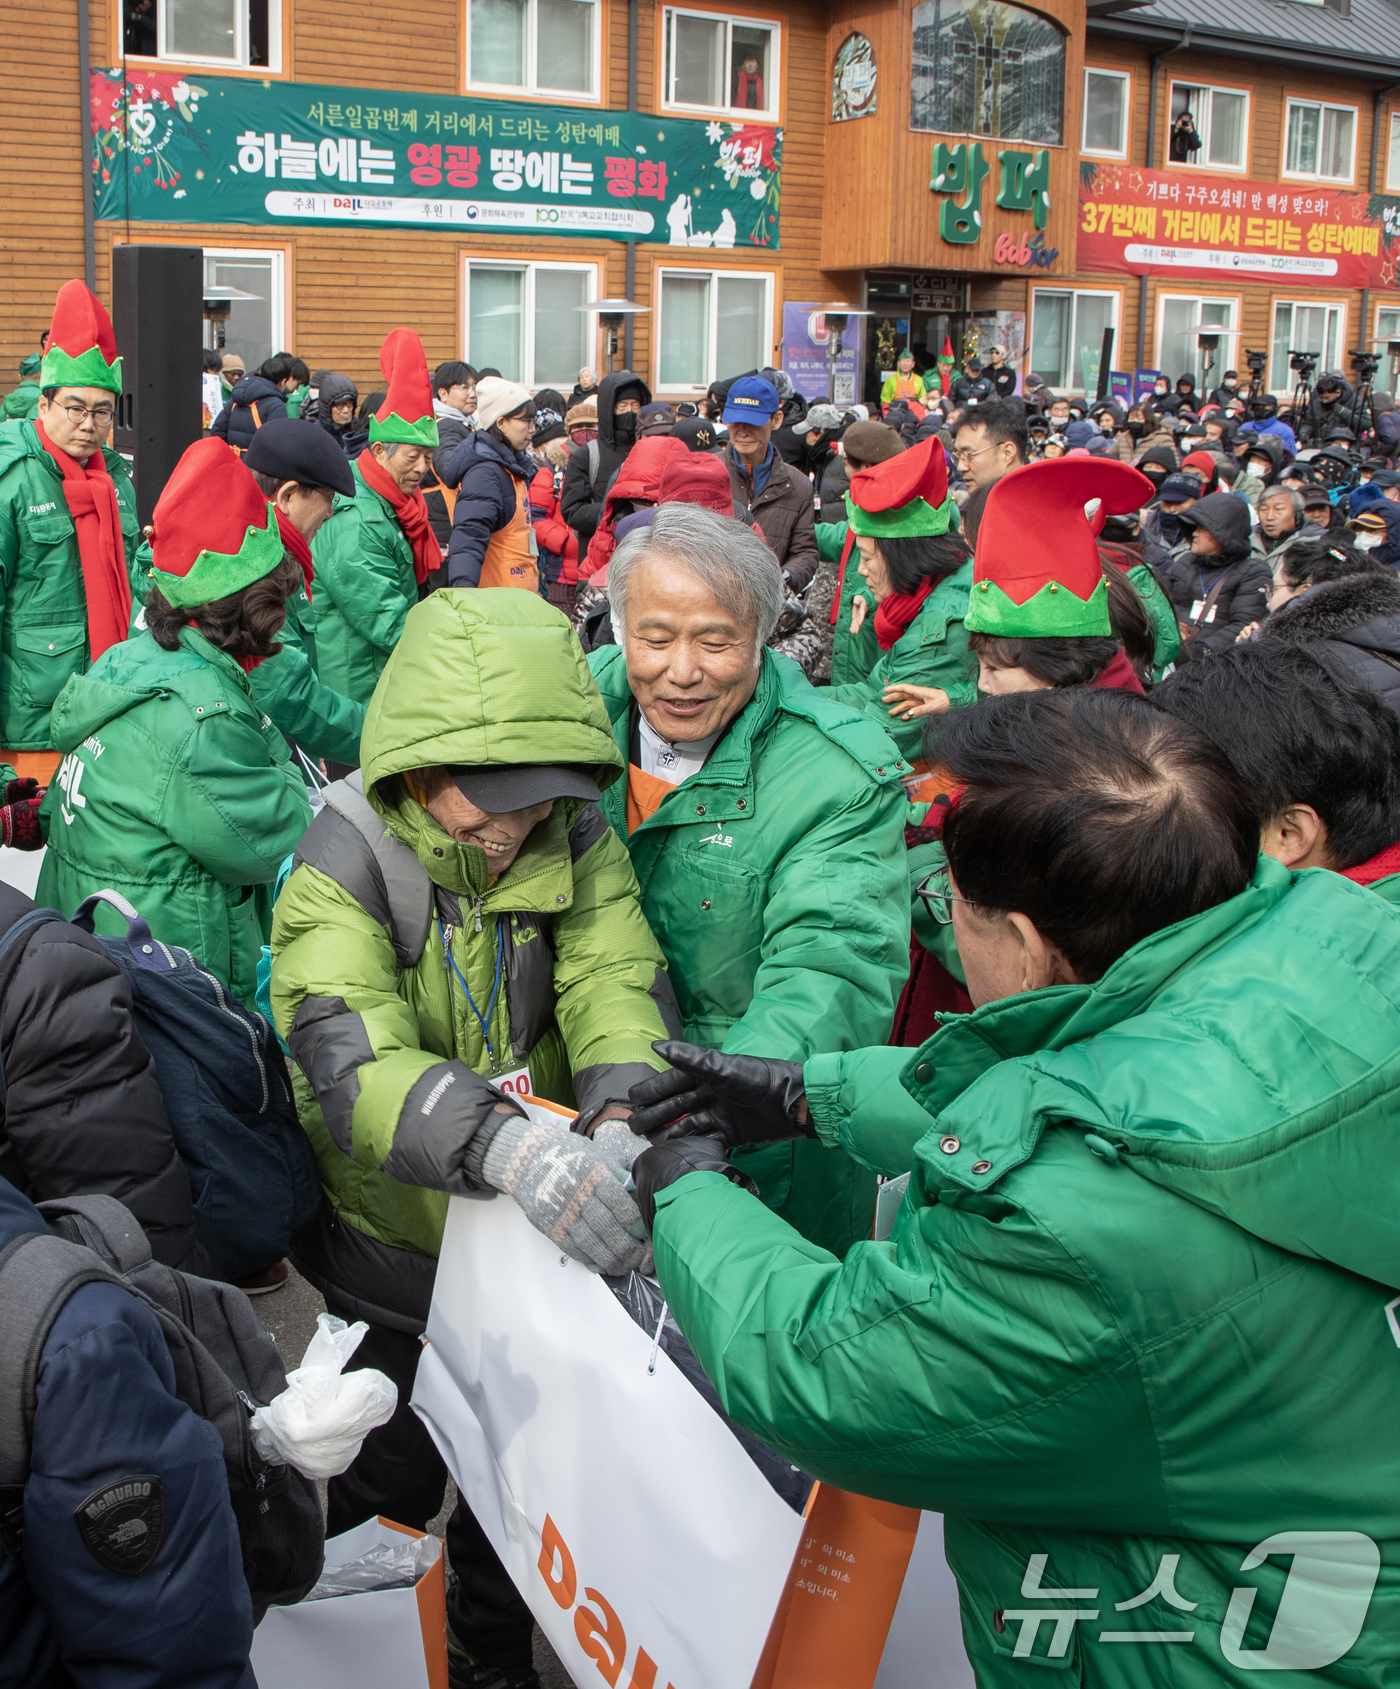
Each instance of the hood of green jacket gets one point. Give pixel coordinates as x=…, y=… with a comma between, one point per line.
x=1251, y=1128
x=127, y=675
x=486, y=678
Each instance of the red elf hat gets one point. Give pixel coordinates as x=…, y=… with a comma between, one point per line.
x=1036, y=571
x=904, y=496
x=406, y=416
x=213, y=531
x=82, y=349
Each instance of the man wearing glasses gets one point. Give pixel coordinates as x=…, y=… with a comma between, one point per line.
x=67, y=529
x=990, y=443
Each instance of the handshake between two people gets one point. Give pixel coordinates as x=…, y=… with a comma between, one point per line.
x=570, y=1186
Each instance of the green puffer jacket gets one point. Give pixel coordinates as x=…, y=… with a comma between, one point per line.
x=376, y=1019
x=1166, y=633
x=775, y=882
x=23, y=404
x=179, y=794
x=365, y=586
x=932, y=651
x=853, y=655
x=286, y=687
x=1136, y=1312
x=43, y=606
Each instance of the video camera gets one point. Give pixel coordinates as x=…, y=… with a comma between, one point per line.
x=1303, y=363
x=1256, y=362
x=1365, y=364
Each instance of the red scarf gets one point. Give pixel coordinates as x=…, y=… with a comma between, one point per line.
x=1118, y=672
x=92, y=499
x=894, y=614
x=292, y=541
x=1367, y=873
x=412, y=512
x=841, y=574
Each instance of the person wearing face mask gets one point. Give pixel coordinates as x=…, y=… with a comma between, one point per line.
x=1217, y=584
x=1147, y=432
x=493, y=543
x=590, y=472
x=1163, y=536
x=1228, y=389
x=458, y=915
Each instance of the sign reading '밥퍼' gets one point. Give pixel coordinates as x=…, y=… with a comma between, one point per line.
x=1171, y=223
x=209, y=149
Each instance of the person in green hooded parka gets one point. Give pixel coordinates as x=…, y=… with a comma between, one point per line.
x=1134, y=1332
x=175, y=790
x=765, y=823
x=23, y=403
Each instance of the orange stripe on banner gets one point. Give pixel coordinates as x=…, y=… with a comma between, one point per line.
x=831, y=1625
x=33, y=765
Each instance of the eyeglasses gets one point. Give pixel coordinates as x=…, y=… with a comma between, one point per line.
x=78, y=414
x=939, y=897
x=961, y=456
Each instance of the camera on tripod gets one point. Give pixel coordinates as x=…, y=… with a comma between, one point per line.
x=1365, y=364
x=1303, y=363
x=1256, y=362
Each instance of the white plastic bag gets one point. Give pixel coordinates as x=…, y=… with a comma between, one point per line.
x=319, y=1421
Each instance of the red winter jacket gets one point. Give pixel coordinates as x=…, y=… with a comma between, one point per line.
x=638, y=482
x=557, y=541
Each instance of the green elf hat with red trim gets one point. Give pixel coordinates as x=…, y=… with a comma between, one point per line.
x=406, y=416
x=82, y=350
x=213, y=532
x=1036, y=572
x=904, y=497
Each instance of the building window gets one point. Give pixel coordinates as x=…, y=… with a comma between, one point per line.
x=1320, y=142
x=523, y=319
x=1305, y=327
x=719, y=63
x=1179, y=325
x=1067, y=335
x=981, y=68
x=711, y=323
x=256, y=327
x=1387, y=328
x=213, y=32
x=1392, y=164
x=1209, y=126
x=1106, y=94
x=533, y=46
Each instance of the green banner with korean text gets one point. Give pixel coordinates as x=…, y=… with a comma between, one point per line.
x=209, y=149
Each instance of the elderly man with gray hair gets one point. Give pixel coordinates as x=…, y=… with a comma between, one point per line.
x=1283, y=519
x=765, y=824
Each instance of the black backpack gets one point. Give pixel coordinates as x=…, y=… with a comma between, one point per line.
x=224, y=1083
x=226, y=1365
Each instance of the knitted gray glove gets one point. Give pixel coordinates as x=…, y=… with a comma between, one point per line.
x=619, y=1144
x=567, y=1190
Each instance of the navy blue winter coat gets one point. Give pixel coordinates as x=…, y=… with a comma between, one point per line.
x=106, y=1412
x=485, y=472
x=234, y=422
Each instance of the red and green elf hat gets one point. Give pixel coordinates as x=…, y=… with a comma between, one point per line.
x=406, y=416
x=82, y=350
x=1036, y=572
x=903, y=497
x=214, y=531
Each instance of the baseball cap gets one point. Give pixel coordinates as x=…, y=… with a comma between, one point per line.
x=1386, y=478
x=1315, y=496
x=1178, y=487
x=1369, y=522
x=751, y=399
x=501, y=790
x=823, y=417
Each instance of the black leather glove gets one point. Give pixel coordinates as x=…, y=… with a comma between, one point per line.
x=663, y=1164
x=743, y=1099
x=19, y=817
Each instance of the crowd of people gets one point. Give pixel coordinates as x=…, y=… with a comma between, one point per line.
x=982, y=786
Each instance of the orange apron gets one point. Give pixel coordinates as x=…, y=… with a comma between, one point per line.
x=644, y=795
x=511, y=558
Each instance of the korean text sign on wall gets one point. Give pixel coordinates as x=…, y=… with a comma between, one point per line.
x=210, y=149
x=1171, y=223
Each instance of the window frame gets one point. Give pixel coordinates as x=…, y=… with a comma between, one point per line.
x=715, y=273
x=486, y=260
x=282, y=257
x=1295, y=302
x=1379, y=340
x=1234, y=300
x=1299, y=100
x=772, y=114
x=533, y=90
x=1067, y=84
x=1392, y=154
x=1241, y=169
x=1122, y=76
x=1076, y=293
x=278, y=45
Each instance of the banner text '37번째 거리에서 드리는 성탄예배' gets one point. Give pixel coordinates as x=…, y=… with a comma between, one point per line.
x=1171, y=223
x=208, y=149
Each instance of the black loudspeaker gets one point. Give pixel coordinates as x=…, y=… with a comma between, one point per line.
x=158, y=316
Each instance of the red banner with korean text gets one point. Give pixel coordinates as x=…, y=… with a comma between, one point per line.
x=1174, y=223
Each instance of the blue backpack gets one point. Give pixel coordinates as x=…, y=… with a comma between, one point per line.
x=224, y=1081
